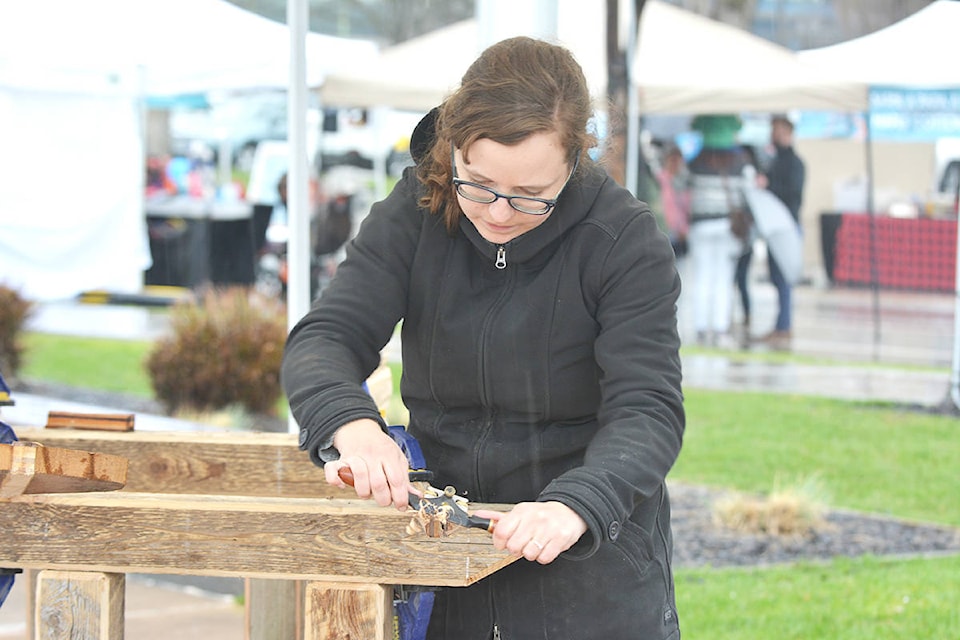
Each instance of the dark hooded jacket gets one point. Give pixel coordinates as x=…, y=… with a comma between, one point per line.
x=555, y=376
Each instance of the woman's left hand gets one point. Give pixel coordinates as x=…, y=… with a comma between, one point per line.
x=538, y=531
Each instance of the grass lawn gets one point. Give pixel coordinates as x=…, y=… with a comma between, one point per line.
x=864, y=599
x=95, y=363
x=866, y=457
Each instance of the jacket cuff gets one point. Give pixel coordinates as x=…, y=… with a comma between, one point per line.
x=603, y=525
x=317, y=439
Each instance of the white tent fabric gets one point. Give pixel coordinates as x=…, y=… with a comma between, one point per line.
x=920, y=51
x=73, y=76
x=155, y=47
x=70, y=205
x=685, y=63
x=419, y=73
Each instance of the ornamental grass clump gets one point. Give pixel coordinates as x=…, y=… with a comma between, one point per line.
x=224, y=351
x=15, y=310
x=790, y=511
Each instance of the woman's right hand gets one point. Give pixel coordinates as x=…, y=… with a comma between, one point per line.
x=377, y=464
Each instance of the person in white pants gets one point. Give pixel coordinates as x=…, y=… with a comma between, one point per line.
x=713, y=251
x=716, y=180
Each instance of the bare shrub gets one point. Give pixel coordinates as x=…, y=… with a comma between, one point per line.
x=224, y=351
x=15, y=310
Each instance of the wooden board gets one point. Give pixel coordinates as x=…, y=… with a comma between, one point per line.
x=27, y=467
x=308, y=539
x=205, y=463
x=95, y=421
x=80, y=605
x=338, y=611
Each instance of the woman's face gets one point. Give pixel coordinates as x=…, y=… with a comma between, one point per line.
x=536, y=167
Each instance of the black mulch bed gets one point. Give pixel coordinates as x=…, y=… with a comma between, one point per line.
x=698, y=541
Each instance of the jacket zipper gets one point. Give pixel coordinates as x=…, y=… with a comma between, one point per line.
x=500, y=264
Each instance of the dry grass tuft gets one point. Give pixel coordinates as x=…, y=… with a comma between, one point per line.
x=797, y=510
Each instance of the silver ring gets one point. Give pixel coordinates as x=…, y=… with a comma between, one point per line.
x=539, y=546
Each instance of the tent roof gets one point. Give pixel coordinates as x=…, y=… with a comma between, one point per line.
x=920, y=51
x=157, y=47
x=419, y=73
x=685, y=63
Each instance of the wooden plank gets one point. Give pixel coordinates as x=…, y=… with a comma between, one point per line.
x=27, y=467
x=299, y=539
x=204, y=463
x=79, y=605
x=274, y=609
x=337, y=610
x=30, y=580
x=95, y=421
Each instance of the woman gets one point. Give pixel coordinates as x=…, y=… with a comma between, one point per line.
x=540, y=355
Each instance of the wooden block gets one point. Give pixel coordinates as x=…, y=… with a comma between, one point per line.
x=339, y=610
x=204, y=463
x=94, y=421
x=294, y=539
x=274, y=609
x=28, y=467
x=74, y=604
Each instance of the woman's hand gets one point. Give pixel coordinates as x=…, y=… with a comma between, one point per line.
x=538, y=531
x=377, y=464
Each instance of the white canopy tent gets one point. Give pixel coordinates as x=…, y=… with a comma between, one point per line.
x=73, y=78
x=685, y=63
x=919, y=52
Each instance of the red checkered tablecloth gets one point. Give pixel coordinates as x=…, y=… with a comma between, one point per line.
x=911, y=253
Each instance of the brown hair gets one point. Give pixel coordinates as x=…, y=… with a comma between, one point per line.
x=517, y=87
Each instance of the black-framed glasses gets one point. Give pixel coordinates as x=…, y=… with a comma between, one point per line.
x=524, y=204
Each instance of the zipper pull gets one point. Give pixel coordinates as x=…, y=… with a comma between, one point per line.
x=496, y=627
x=501, y=258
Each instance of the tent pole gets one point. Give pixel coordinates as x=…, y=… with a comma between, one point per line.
x=298, y=209
x=955, y=370
x=632, y=177
x=871, y=241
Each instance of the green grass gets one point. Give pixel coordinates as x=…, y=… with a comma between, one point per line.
x=94, y=363
x=865, y=599
x=870, y=458
x=867, y=458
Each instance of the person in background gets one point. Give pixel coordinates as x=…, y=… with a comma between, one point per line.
x=715, y=182
x=674, y=199
x=541, y=367
x=742, y=274
x=785, y=179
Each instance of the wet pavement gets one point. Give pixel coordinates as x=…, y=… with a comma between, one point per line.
x=849, y=344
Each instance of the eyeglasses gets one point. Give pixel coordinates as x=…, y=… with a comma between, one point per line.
x=524, y=204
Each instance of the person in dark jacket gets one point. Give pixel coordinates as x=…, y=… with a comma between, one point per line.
x=540, y=351
x=785, y=179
